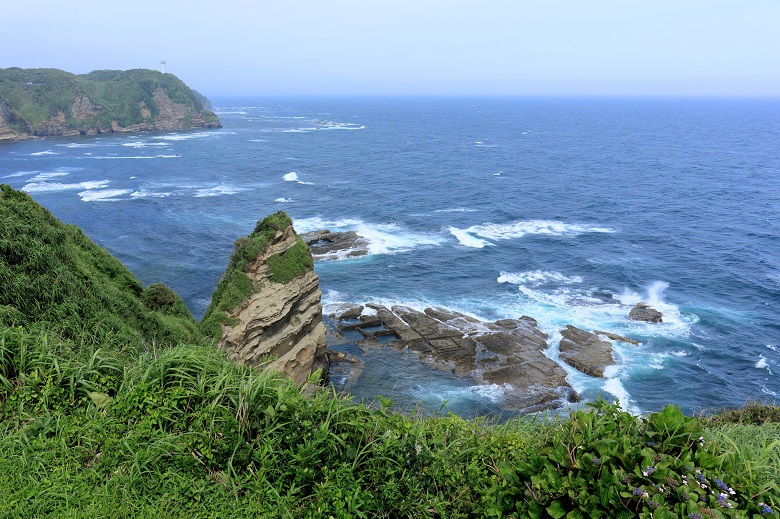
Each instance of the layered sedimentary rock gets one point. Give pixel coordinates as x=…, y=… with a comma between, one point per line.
x=507, y=352
x=279, y=327
x=585, y=351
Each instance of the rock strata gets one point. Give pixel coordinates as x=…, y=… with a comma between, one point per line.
x=585, y=351
x=280, y=326
x=643, y=312
x=327, y=245
x=508, y=352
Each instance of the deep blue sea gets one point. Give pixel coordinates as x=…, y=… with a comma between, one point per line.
x=566, y=210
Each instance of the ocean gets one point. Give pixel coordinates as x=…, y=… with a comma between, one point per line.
x=566, y=210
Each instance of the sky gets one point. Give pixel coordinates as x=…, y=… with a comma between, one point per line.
x=412, y=47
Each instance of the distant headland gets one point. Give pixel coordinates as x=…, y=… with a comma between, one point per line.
x=50, y=102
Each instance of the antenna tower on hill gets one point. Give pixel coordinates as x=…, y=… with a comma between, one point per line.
x=162, y=62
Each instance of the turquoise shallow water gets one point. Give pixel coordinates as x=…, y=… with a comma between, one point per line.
x=567, y=210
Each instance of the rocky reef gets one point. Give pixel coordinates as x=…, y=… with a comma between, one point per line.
x=50, y=102
x=277, y=322
x=508, y=352
x=585, y=351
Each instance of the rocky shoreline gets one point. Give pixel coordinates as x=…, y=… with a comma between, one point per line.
x=510, y=353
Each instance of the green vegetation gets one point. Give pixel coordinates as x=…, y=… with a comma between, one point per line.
x=109, y=407
x=235, y=286
x=36, y=95
x=293, y=262
x=54, y=279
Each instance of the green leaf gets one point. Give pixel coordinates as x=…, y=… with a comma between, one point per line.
x=100, y=399
x=556, y=510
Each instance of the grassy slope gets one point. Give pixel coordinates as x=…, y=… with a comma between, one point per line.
x=38, y=94
x=55, y=279
x=103, y=425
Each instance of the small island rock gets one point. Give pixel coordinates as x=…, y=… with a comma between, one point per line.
x=327, y=245
x=643, y=312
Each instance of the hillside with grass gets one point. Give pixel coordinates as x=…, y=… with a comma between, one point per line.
x=45, y=102
x=113, y=405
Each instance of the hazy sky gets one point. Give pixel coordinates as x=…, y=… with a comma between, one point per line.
x=346, y=47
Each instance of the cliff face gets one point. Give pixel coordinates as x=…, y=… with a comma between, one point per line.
x=279, y=324
x=12, y=127
x=49, y=102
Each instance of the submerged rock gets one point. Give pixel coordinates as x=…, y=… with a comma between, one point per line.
x=508, y=352
x=327, y=245
x=616, y=337
x=585, y=351
x=643, y=312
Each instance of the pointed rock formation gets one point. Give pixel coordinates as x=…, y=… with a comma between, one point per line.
x=278, y=325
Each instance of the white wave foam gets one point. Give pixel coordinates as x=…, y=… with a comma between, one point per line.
x=537, y=278
x=654, y=297
x=522, y=228
x=317, y=223
x=77, y=145
x=103, y=195
x=391, y=238
x=614, y=387
x=144, y=144
x=20, y=174
x=47, y=152
x=468, y=240
x=772, y=347
x=219, y=190
x=761, y=364
x=292, y=176
x=491, y=392
x=143, y=193
x=283, y=200
x=50, y=187
x=341, y=126
x=456, y=210
x=120, y=157
x=554, y=309
x=184, y=136
x=42, y=177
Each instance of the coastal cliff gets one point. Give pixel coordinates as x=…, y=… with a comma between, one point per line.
x=50, y=102
x=266, y=310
